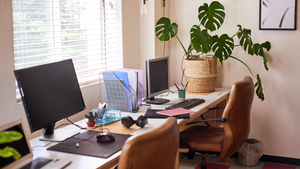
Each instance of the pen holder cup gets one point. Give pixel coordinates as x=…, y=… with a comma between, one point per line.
x=109, y=117
x=181, y=95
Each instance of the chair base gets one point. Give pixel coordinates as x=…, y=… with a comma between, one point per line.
x=191, y=157
x=203, y=164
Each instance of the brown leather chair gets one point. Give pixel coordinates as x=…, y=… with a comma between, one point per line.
x=226, y=140
x=157, y=148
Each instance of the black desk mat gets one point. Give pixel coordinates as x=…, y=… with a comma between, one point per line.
x=91, y=147
x=151, y=113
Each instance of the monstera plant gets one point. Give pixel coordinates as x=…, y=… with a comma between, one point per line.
x=211, y=18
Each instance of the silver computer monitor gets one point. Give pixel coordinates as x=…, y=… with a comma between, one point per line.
x=157, y=79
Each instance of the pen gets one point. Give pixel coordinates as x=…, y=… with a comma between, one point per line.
x=102, y=112
x=176, y=86
x=186, y=85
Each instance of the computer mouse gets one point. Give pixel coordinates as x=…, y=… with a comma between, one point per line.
x=105, y=137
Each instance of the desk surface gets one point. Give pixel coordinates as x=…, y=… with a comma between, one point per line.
x=81, y=161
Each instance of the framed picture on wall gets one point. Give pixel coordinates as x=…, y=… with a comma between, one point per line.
x=277, y=14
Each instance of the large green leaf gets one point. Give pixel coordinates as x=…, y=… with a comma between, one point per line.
x=259, y=51
x=222, y=46
x=244, y=36
x=200, y=40
x=212, y=16
x=164, y=30
x=259, y=89
x=9, y=152
x=9, y=136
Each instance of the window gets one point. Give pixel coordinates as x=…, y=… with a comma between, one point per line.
x=88, y=31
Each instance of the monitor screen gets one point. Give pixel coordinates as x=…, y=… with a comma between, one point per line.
x=49, y=93
x=157, y=79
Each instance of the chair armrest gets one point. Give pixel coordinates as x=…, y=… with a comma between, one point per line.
x=223, y=120
x=214, y=108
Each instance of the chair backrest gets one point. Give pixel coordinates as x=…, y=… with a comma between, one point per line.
x=237, y=113
x=157, y=148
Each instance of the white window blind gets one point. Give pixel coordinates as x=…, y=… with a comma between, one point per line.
x=88, y=31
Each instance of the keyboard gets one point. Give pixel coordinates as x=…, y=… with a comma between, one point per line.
x=187, y=104
x=37, y=163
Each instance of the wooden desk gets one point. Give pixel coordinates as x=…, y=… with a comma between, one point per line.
x=217, y=98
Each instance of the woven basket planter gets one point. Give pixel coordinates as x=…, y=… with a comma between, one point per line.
x=201, y=75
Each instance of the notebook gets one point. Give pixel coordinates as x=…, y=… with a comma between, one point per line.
x=22, y=146
x=175, y=112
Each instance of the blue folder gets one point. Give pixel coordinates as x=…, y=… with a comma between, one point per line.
x=114, y=75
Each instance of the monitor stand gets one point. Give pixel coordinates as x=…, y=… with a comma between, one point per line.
x=59, y=134
x=153, y=100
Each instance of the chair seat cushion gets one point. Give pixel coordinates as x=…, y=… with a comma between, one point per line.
x=204, y=138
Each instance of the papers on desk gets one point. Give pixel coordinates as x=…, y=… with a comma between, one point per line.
x=175, y=112
x=123, y=88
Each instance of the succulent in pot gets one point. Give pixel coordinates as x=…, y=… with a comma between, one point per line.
x=91, y=118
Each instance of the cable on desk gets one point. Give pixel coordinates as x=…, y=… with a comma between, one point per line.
x=33, y=148
x=82, y=128
x=64, y=124
x=166, y=94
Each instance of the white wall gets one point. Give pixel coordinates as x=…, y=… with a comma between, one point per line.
x=275, y=121
x=131, y=34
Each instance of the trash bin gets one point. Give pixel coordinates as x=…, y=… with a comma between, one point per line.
x=250, y=153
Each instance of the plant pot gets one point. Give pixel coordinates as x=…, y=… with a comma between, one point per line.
x=201, y=75
x=90, y=124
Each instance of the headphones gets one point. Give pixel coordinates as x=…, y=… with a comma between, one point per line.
x=128, y=121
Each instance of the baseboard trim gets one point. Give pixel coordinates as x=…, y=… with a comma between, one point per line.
x=281, y=160
x=276, y=159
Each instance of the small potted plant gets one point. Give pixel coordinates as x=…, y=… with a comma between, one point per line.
x=211, y=18
x=91, y=119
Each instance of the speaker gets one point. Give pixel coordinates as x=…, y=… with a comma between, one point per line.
x=141, y=121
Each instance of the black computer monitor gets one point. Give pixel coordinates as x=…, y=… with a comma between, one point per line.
x=50, y=93
x=157, y=79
